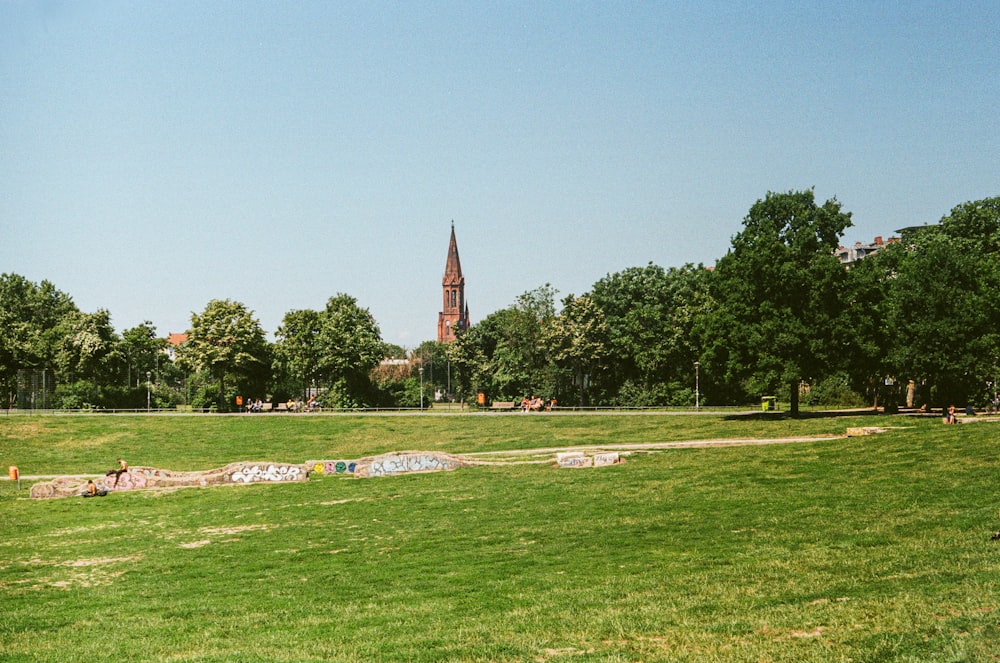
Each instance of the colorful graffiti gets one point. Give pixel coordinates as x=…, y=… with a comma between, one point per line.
x=334, y=467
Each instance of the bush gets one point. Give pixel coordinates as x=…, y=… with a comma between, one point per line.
x=75, y=396
x=834, y=390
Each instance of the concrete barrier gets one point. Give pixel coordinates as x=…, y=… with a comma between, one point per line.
x=143, y=478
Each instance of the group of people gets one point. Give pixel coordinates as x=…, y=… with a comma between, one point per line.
x=536, y=404
x=99, y=489
x=257, y=405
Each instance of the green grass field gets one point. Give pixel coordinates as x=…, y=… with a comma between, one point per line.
x=874, y=548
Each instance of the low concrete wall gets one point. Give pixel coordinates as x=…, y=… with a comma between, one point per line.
x=406, y=462
x=142, y=478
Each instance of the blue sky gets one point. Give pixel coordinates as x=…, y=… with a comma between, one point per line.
x=155, y=156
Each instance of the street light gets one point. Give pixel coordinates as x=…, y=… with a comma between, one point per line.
x=697, y=395
x=421, y=388
x=148, y=375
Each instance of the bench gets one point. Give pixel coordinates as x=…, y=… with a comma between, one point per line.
x=502, y=405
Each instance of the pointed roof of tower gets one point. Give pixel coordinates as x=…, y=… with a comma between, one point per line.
x=453, y=268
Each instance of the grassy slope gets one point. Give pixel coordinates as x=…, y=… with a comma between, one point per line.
x=871, y=548
x=90, y=443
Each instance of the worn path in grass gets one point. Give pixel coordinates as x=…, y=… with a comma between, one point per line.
x=643, y=446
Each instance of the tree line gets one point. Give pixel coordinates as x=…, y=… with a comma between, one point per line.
x=777, y=315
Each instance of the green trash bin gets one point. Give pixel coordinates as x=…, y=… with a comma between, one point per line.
x=768, y=403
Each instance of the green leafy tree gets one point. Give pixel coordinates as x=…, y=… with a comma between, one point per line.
x=944, y=301
x=438, y=370
x=297, y=347
x=505, y=355
x=654, y=317
x=32, y=322
x=141, y=351
x=349, y=345
x=225, y=340
x=865, y=358
x=780, y=291
x=89, y=347
x=579, y=340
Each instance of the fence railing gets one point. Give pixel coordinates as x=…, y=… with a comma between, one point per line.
x=386, y=410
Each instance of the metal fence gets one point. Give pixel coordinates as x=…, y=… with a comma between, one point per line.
x=35, y=388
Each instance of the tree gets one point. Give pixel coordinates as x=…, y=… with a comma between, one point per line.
x=31, y=317
x=433, y=357
x=89, y=347
x=865, y=359
x=140, y=349
x=579, y=340
x=944, y=301
x=297, y=347
x=349, y=345
x=780, y=291
x=505, y=355
x=654, y=316
x=226, y=340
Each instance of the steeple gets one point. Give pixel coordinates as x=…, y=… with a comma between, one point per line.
x=455, y=313
x=453, y=266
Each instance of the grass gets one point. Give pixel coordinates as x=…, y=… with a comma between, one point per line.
x=863, y=549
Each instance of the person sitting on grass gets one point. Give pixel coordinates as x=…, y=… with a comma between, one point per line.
x=949, y=416
x=93, y=490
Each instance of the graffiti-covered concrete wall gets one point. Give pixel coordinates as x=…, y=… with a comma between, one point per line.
x=574, y=459
x=402, y=462
x=406, y=462
x=140, y=478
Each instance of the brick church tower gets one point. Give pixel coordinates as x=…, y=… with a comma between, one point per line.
x=455, y=314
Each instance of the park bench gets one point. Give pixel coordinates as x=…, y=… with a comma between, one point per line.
x=502, y=405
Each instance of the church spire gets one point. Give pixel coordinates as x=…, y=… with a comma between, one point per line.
x=455, y=313
x=453, y=266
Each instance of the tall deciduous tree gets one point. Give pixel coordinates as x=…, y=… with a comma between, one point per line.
x=505, y=354
x=226, y=340
x=349, y=345
x=140, y=349
x=579, y=340
x=88, y=347
x=945, y=303
x=31, y=317
x=780, y=291
x=653, y=316
x=297, y=347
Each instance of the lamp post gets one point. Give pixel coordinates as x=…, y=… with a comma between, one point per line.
x=421, y=388
x=148, y=375
x=697, y=394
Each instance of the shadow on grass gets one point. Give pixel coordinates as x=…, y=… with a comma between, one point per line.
x=822, y=414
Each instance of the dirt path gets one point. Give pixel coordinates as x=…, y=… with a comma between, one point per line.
x=646, y=446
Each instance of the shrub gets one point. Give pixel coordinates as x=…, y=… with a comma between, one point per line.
x=834, y=390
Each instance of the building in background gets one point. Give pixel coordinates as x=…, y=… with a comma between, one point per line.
x=455, y=312
x=860, y=251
